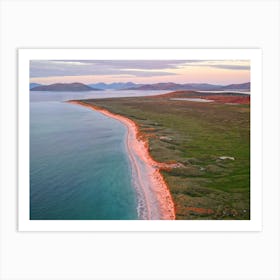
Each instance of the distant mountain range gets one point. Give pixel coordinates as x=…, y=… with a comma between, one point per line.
x=116, y=86
x=63, y=87
x=133, y=86
x=245, y=86
x=203, y=86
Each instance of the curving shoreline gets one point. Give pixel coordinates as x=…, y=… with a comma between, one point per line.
x=154, y=198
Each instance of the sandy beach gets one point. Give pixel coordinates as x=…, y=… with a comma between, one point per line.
x=154, y=198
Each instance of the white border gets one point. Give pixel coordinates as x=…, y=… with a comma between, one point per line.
x=255, y=224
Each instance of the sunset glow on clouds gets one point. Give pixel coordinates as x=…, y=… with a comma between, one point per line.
x=140, y=71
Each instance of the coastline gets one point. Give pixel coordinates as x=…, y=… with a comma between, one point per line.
x=153, y=195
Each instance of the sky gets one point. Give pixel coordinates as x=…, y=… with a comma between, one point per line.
x=221, y=72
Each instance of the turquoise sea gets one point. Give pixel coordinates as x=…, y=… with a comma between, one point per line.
x=79, y=169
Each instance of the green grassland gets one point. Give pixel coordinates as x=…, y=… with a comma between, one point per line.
x=196, y=135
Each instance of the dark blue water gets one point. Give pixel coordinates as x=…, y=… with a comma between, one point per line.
x=79, y=168
x=78, y=165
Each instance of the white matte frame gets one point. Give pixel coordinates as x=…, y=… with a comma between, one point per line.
x=255, y=222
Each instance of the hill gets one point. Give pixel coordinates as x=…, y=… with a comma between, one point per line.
x=33, y=85
x=64, y=87
x=114, y=86
x=191, y=86
x=245, y=86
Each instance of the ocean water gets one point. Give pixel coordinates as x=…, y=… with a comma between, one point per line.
x=79, y=168
x=39, y=96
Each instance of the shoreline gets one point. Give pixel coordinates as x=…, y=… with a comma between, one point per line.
x=153, y=196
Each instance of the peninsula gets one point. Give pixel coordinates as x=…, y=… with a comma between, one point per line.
x=196, y=154
x=154, y=199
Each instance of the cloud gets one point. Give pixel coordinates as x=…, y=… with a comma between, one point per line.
x=221, y=64
x=132, y=64
x=64, y=62
x=136, y=68
x=232, y=67
x=139, y=68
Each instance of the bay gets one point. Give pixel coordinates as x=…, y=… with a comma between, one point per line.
x=79, y=168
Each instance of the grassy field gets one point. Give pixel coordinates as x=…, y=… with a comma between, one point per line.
x=200, y=136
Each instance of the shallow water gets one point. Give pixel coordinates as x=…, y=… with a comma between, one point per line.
x=192, y=99
x=79, y=168
x=39, y=96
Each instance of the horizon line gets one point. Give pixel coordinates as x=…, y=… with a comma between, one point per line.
x=144, y=83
